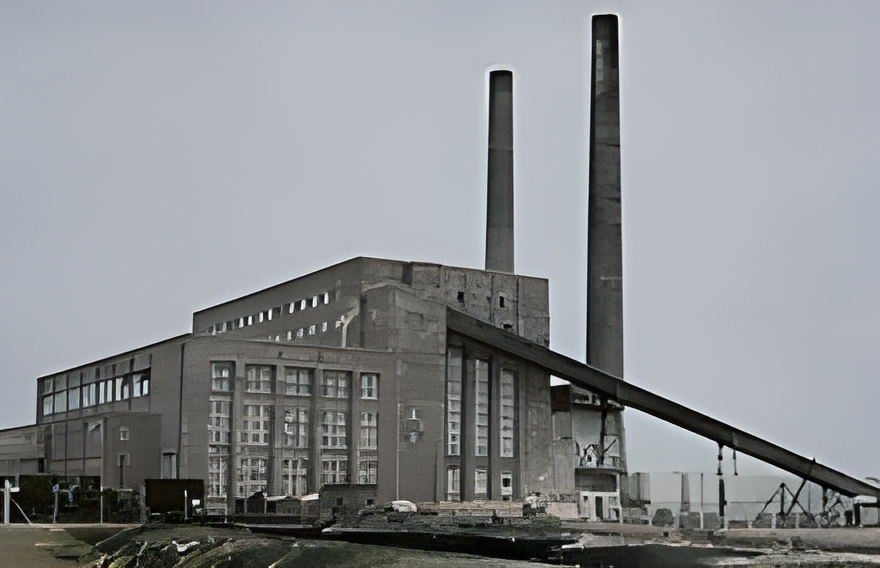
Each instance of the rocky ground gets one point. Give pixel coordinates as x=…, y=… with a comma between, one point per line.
x=623, y=546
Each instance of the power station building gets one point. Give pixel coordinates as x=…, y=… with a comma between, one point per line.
x=347, y=376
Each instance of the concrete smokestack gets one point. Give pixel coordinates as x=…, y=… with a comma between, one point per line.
x=604, y=250
x=499, y=209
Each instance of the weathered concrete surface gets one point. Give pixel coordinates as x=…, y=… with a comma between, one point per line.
x=499, y=208
x=47, y=546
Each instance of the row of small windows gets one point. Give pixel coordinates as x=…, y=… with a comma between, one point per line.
x=297, y=381
x=481, y=484
x=302, y=332
x=78, y=395
x=270, y=314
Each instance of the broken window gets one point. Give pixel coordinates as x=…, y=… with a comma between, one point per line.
x=506, y=420
x=368, y=471
x=333, y=430
x=219, y=421
x=296, y=427
x=255, y=425
x=295, y=475
x=334, y=469
x=369, y=385
x=259, y=377
x=89, y=395
x=453, y=483
x=334, y=384
x=218, y=474
x=481, y=407
x=453, y=401
x=312, y=330
x=140, y=384
x=252, y=476
x=369, y=430
x=298, y=382
x=506, y=485
x=481, y=485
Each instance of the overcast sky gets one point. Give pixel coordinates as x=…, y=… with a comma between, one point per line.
x=160, y=157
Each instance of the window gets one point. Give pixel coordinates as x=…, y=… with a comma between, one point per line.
x=506, y=420
x=298, y=382
x=252, y=476
x=480, y=483
x=140, y=384
x=453, y=483
x=89, y=395
x=60, y=383
x=47, y=405
x=334, y=384
x=123, y=433
x=48, y=385
x=334, y=469
x=169, y=465
x=221, y=376
x=453, y=401
x=368, y=471
x=333, y=432
x=312, y=329
x=296, y=427
x=295, y=475
x=369, y=386
x=414, y=425
x=506, y=485
x=369, y=430
x=218, y=422
x=218, y=474
x=259, y=377
x=481, y=407
x=255, y=425
x=123, y=388
x=60, y=401
x=73, y=398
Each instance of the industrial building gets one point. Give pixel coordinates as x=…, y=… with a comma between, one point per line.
x=347, y=376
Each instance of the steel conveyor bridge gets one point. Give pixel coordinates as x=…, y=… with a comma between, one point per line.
x=630, y=395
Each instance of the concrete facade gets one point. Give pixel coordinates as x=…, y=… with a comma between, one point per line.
x=346, y=377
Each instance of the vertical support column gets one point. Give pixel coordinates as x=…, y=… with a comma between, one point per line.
x=499, y=206
x=604, y=247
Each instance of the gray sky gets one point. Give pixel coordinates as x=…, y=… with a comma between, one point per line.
x=157, y=158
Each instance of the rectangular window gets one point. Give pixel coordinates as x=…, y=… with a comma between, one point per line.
x=334, y=384
x=298, y=382
x=73, y=398
x=507, y=484
x=221, y=376
x=369, y=430
x=140, y=384
x=48, y=385
x=252, y=476
x=481, y=407
x=296, y=427
x=255, y=426
x=506, y=421
x=333, y=430
x=453, y=483
x=368, y=471
x=259, y=377
x=334, y=469
x=295, y=475
x=218, y=476
x=89, y=395
x=219, y=421
x=453, y=401
x=481, y=487
x=369, y=386
x=47, y=405
x=60, y=401
x=60, y=383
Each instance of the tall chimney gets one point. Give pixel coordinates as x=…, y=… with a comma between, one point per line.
x=499, y=207
x=604, y=250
